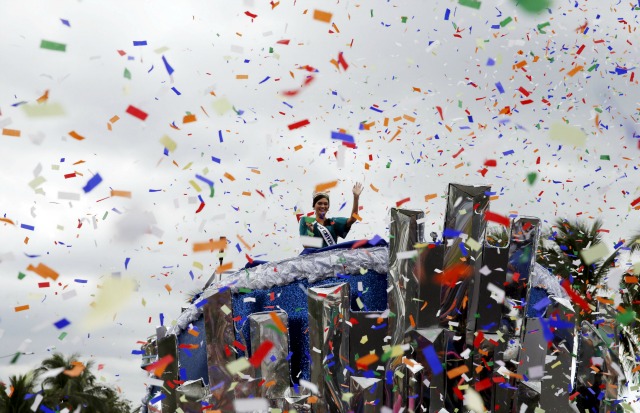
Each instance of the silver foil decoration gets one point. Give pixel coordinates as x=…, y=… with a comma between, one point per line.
x=366, y=336
x=366, y=395
x=406, y=232
x=429, y=265
x=191, y=394
x=218, y=324
x=525, y=232
x=328, y=313
x=409, y=391
x=274, y=368
x=168, y=346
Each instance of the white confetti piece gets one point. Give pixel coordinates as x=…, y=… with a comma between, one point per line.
x=594, y=253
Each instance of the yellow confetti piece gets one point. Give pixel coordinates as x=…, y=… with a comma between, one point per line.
x=238, y=365
x=112, y=297
x=225, y=309
x=570, y=135
x=364, y=339
x=168, y=143
x=594, y=253
x=222, y=106
x=198, y=265
x=44, y=110
x=195, y=185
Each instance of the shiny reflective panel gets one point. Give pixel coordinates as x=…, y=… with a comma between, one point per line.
x=329, y=345
x=274, y=368
x=428, y=267
x=190, y=395
x=168, y=346
x=218, y=324
x=366, y=395
x=366, y=336
x=410, y=392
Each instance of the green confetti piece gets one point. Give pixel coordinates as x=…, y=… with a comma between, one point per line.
x=271, y=50
x=62, y=336
x=21, y=275
x=592, y=67
x=533, y=6
x=404, y=19
x=127, y=73
x=388, y=165
x=598, y=110
x=532, y=177
x=244, y=290
x=105, y=215
x=59, y=47
x=213, y=191
x=605, y=158
x=274, y=328
x=371, y=12
x=15, y=358
x=506, y=21
x=542, y=26
x=627, y=317
x=470, y=3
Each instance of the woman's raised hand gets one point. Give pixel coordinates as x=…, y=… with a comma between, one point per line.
x=357, y=189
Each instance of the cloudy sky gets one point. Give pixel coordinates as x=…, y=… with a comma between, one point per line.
x=159, y=98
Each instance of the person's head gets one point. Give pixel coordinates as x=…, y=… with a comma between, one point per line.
x=321, y=203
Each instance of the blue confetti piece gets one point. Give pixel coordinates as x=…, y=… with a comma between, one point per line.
x=542, y=304
x=433, y=360
x=509, y=152
x=183, y=373
x=342, y=137
x=45, y=409
x=61, y=323
x=238, y=247
x=155, y=190
x=375, y=240
x=160, y=397
x=220, y=136
x=176, y=91
x=126, y=263
x=264, y=80
x=29, y=227
x=166, y=152
x=139, y=42
x=463, y=250
x=373, y=108
x=161, y=319
x=191, y=274
x=447, y=13
x=499, y=87
x=490, y=62
x=167, y=65
x=201, y=303
x=93, y=182
x=451, y=233
x=288, y=104
x=389, y=373
x=214, y=159
x=137, y=352
x=205, y=180
x=65, y=22
x=546, y=331
x=80, y=281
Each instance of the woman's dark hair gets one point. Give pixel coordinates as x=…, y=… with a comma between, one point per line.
x=319, y=196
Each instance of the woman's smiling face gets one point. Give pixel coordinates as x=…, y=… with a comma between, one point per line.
x=321, y=207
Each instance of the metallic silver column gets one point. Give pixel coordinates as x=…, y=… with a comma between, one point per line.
x=218, y=324
x=328, y=312
x=274, y=368
x=190, y=395
x=366, y=395
x=168, y=345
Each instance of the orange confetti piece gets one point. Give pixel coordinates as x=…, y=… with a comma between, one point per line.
x=44, y=97
x=7, y=220
x=189, y=118
x=242, y=76
x=430, y=196
x=76, y=135
x=409, y=118
x=160, y=366
x=604, y=300
x=124, y=194
x=43, y=271
x=363, y=362
x=278, y=322
x=575, y=70
x=395, y=136
x=210, y=245
x=458, y=371
x=322, y=16
x=325, y=186
x=373, y=188
x=413, y=322
x=77, y=369
x=114, y=119
x=246, y=245
x=630, y=279
x=168, y=288
x=224, y=267
x=229, y=176
x=193, y=333
x=297, y=147
x=21, y=308
x=11, y=132
x=246, y=193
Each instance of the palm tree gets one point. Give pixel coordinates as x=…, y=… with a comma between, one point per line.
x=630, y=288
x=22, y=386
x=62, y=390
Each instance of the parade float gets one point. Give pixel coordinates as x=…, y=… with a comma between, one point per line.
x=455, y=324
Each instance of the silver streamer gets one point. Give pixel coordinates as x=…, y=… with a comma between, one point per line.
x=274, y=368
x=329, y=344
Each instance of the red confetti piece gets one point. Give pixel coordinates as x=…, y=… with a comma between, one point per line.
x=575, y=296
x=342, y=62
x=458, y=153
x=483, y=384
x=300, y=124
x=159, y=366
x=201, y=207
x=248, y=13
x=239, y=345
x=635, y=202
x=490, y=162
x=402, y=201
x=260, y=353
x=440, y=112
x=284, y=42
x=134, y=111
x=499, y=219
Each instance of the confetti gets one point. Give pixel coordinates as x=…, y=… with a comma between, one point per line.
x=58, y=47
x=135, y=112
x=322, y=16
x=595, y=253
x=92, y=183
x=299, y=124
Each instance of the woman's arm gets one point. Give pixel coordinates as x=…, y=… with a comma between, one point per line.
x=357, y=190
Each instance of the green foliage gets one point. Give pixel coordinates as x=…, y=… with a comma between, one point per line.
x=62, y=391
